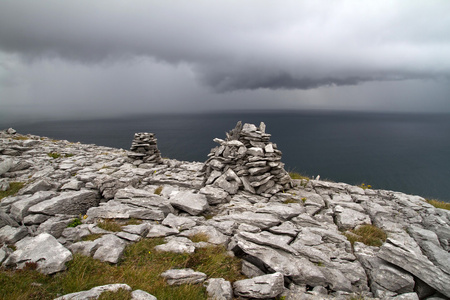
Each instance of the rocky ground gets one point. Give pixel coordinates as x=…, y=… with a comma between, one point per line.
x=291, y=243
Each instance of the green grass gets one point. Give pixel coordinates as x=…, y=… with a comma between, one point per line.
x=54, y=155
x=295, y=175
x=140, y=268
x=74, y=223
x=199, y=237
x=158, y=190
x=91, y=237
x=110, y=225
x=439, y=204
x=121, y=294
x=20, y=138
x=290, y=200
x=367, y=234
x=14, y=187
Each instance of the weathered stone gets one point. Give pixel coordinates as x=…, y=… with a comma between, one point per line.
x=261, y=287
x=19, y=209
x=111, y=248
x=177, y=245
x=140, y=229
x=218, y=289
x=74, y=185
x=54, y=225
x=37, y=186
x=183, y=276
x=214, y=195
x=141, y=295
x=44, y=250
x=250, y=270
x=4, y=184
x=178, y=222
x=5, y=165
x=86, y=248
x=412, y=260
x=10, y=235
x=189, y=202
x=95, y=292
x=282, y=211
x=161, y=231
x=69, y=203
x=129, y=236
x=214, y=236
x=261, y=220
x=5, y=219
x=349, y=218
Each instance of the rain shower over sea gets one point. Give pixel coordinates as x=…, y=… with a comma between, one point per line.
x=401, y=152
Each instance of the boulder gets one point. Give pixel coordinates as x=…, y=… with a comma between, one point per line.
x=183, y=276
x=141, y=295
x=187, y=201
x=95, y=292
x=44, y=250
x=219, y=289
x=261, y=287
x=69, y=203
x=110, y=248
x=10, y=235
x=5, y=165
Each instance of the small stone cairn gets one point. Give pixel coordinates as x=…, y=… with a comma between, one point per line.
x=144, y=147
x=247, y=160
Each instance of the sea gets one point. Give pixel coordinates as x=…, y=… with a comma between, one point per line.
x=392, y=151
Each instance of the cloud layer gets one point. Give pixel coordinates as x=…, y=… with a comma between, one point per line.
x=232, y=45
x=114, y=55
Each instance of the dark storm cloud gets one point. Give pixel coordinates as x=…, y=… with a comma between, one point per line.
x=235, y=45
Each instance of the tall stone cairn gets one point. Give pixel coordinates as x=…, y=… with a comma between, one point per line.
x=247, y=160
x=144, y=147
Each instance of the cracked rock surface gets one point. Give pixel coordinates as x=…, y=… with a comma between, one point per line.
x=288, y=233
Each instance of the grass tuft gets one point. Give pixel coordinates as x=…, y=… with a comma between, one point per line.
x=199, y=237
x=439, y=204
x=367, y=234
x=91, y=237
x=54, y=155
x=290, y=200
x=14, y=187
x=295, y=175
x=109, y=225
x=158, y=190
x=140, y=268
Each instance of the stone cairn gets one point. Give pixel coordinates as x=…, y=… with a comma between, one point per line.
x=144, y=148
x=247, y=160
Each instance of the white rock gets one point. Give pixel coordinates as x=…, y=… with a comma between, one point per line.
x=95, y=292
x=219, y=289
x=261, y=287
x=183, y=276
x=43, y=249
x=189, y=202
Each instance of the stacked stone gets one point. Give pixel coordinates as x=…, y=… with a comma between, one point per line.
x=144, y=147
x=247, y=160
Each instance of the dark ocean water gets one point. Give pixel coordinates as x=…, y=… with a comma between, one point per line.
x=401, y=152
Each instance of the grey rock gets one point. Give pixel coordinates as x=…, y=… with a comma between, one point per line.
x=250, y=270
x=10, y=235
x=406, y=296
x=19, y=209
x=140, y=229
x=261, y=220
x=183, y=276
x=301, y=270
x=429, y=243
x=161, y=231
x=5, y=219
x=177, y=245
x=129, y=236
x=229, y=182
x=179, y=222
x=282, y=211
x=74, y=185
x=214, y=236
x=269, y=239
x=5, y=165
x=43, y=249
x=286, y=228
x=4, y=185
x=86, y=248
x=70, y=203
x=261, y=287
x=141, y=295
x=4, y=253
x=349, y=218
x=95, y=292
x=218, y=289
x=214, y=195
x=54, y=225
x=37, y=186
x=111, y=248
x=35, y=219
x=411, y=259
x=116, y=209
x=189, y=202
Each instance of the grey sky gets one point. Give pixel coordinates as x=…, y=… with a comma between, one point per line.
x=106, y=57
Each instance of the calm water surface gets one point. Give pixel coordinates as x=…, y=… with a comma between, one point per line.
x=408, y=153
